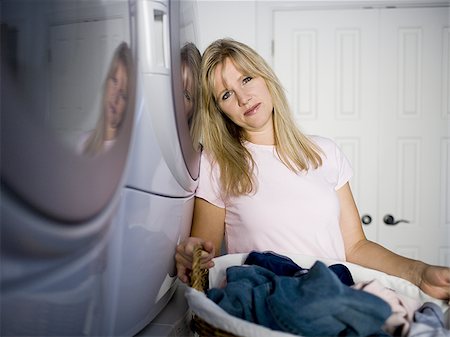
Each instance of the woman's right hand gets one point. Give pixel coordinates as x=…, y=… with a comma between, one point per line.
x=184, y=254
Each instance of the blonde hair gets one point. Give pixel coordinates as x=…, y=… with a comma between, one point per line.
x=223, y=140
x=191, y=58
x=122, y=55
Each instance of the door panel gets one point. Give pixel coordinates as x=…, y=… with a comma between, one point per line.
x=415, y=129
x=372, y=80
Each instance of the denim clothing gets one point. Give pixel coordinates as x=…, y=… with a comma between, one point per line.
x=278, y=264
x=284, y=266
x=316, y=304
x=342, y=273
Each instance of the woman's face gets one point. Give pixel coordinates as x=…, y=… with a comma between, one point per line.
x=244, y=99
x=116, y=96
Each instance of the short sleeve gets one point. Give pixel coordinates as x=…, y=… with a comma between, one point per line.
x=209, y=182
x=345, y=171
x=336, y=168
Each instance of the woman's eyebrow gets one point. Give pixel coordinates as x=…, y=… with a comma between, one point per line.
x=221, y=90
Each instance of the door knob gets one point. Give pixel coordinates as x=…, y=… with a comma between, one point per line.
x=390, y=220
x=366, y=219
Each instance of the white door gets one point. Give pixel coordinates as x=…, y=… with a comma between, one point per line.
x=340, y=68
x=414, y=120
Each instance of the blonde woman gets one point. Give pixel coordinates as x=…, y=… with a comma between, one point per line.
x=114, y=103
x=266, y=186
x=190, y=73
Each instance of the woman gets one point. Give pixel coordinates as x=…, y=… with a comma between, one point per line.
x=190, y=68
x=266, y=186
x=114, y=103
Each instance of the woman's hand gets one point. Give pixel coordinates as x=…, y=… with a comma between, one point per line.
x=184, y=253
x=435, y=282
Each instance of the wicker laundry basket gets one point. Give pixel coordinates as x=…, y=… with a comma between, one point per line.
x=210, y=320
x=199, y=281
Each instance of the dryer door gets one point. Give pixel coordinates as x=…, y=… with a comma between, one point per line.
x=67, y=103
x=165, y=159
x=185, y=65
x=67, y=106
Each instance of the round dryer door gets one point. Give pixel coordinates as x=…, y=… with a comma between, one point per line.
x=185, y=70
x=67, y=105
x=67, y=111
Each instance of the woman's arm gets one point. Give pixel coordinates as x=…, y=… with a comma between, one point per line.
x=433, y=280
x=208, y=227
x=208, y=223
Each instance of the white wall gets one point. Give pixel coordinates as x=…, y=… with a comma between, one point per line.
x=226, y=18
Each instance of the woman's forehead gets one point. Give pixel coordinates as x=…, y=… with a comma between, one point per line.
x=122, y=69
x=235, y=64
x=226, y=72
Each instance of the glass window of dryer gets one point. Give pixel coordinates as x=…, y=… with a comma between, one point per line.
x=68, y=89
x=186, y=62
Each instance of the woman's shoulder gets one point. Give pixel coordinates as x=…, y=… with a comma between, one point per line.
x=206, y=154
x=325, y=143
x=206, y=160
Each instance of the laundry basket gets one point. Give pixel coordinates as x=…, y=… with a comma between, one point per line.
x=208, y=318
x=199, y=281
x=211, y=320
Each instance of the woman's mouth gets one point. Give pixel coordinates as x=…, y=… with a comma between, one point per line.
x=252, y=110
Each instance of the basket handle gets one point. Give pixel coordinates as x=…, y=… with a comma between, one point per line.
x=198, y=274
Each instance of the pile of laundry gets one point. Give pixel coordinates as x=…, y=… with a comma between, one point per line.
x=273, y=291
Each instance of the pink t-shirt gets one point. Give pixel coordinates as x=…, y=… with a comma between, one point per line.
x=289, y=213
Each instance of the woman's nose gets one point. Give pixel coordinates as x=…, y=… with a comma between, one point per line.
x=242, y=98
x=116, y=95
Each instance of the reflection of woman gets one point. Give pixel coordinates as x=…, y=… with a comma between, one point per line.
x=190, y=71
x=114, y=103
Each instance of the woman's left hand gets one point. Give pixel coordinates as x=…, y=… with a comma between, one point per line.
x=435, y=282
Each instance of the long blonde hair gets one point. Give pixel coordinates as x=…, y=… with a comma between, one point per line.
x=223, y=140
x=191, y=58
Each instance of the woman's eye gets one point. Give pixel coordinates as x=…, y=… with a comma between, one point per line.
x=247, y=79
x=226, y=95
x=124, y=96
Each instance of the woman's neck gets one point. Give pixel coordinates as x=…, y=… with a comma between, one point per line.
x=110, y=133
x=263, y=137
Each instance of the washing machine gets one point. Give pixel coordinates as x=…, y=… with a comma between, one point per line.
x=98, y=169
